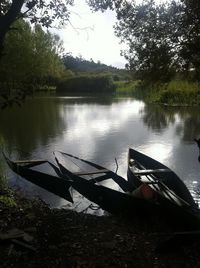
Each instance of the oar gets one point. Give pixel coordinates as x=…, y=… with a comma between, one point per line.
x=164, y=186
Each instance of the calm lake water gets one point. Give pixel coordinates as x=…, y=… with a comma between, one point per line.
x=101, y=130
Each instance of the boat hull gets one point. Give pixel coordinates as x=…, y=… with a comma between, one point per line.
x=115, y=202
x=131, y=205
x=170, y=179
x=53, y=184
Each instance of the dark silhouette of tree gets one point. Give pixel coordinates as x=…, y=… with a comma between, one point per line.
x=41, y=12
x=105, y=4
x=31, y=60
x=162, y=39
x=147, y=29
x=191, y=36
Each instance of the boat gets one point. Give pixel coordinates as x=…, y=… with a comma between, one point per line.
x=142, y=168
x=85, y=182
x=29, y=170
x=171, y=192
x=150, y=197
x=85, y=177
x=72, y=165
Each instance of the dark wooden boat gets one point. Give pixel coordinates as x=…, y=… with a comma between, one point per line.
x=54, y=184
x=71, y=165
x=85, y=182
x=85, y=179
x=171, y=192
x=29, y=169
x=142, y=168
x=165, y=203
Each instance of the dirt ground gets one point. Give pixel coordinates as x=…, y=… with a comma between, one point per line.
x=33, y=235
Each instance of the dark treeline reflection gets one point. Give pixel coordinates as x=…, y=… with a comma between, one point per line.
x=186, y=120
x=191, y=127
x=40, y=119
x=24, y=128
x=156, y=117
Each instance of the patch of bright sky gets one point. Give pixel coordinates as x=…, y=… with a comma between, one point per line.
x=91, y=35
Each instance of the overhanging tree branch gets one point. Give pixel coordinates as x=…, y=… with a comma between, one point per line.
x=7, y=20
x=52, y=11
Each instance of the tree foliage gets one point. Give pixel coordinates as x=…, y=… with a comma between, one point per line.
x=147, y=31
x=32, y=57
x=105, y=4
x=190, y=51
x=92, y=85
x=162, y=39
x=44, y=12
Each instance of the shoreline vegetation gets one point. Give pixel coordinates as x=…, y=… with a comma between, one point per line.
x=85, y=84
x=31, y=67
x=175, y=93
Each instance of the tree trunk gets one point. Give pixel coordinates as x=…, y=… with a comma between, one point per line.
x=7, y=20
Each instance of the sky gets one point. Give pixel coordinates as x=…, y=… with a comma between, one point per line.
x=91, y=35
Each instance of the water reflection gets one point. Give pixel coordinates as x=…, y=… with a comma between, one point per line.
x=101, y=130
x=185, y=119
x=177, y=128
x=190, y=128
x=33, y=125
x=156, y=117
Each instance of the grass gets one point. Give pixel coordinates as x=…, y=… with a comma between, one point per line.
x=125, y=87
x=181, y=92
x=183, y=85
x=46, y=88
x=176, y=92
x=6, y=194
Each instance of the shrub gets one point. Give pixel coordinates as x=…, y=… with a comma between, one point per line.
x=87, y=84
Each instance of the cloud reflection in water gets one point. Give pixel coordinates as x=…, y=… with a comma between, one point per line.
x=100, y=130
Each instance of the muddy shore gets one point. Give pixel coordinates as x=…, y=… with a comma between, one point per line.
x=33, y=235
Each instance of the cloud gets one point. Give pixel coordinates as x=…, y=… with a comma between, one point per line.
x=92, y=35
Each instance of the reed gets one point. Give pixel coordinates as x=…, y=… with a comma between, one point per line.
x=181, y=92
x=176, y=92
x=125, y=87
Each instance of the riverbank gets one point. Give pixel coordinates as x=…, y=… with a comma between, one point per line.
x=33, y=235
x=174, y=93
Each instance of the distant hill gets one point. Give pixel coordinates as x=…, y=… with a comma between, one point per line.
x=79, y=65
